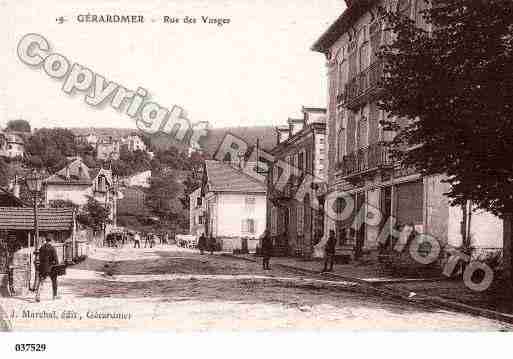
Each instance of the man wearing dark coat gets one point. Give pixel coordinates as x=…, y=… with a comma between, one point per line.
x=202, y=243
x=267, y=250
x=47, y=259
x=329, y=252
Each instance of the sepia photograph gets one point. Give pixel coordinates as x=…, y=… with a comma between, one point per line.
x=247, y=166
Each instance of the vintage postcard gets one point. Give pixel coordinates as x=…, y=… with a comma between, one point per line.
x=184, y=166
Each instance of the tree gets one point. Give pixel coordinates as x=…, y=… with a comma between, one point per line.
x=456, y=83
x=52, y=146
x=94, y=215
x=18, y=125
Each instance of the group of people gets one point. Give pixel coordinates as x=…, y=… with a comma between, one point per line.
x=150, y=239
x=205, y=244
x=329, y=251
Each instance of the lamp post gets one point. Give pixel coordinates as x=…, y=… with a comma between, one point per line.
x=34, y=183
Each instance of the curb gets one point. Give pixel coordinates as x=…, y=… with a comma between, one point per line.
x=382, y=288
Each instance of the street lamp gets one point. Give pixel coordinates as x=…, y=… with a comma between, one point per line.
x=34, y=182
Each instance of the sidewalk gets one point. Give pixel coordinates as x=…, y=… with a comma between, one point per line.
x=440, y=291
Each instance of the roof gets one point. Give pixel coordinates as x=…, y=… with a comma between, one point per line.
x=222, y=177
x=49, y=219
x=342, y=24
x=9, y=199
x=79, y=173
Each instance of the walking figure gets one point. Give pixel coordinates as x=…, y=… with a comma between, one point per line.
x=212, y=244
x=47, y=259
x=137, y=240
x=267, y=249
x=202, y=243
x=329, y=252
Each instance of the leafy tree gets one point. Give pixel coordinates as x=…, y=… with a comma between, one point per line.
x=94, y=215
x=456, y=83
x=52, y=146
x=18, y=125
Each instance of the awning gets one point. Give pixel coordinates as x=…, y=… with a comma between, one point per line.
x=49, y=219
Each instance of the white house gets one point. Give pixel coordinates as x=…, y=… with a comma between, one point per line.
x=235, y=205
x=134, y=143
x=12, y=145
x=76, y=182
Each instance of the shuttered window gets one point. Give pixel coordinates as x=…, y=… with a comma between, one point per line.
x=409, y=203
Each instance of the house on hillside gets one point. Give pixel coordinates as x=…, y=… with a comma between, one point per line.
x=359, y=163
x=76, y=182
x=107, y=149
x=296, y=227
x=133, y=143
x=196, y=213
x=12, y=145
x=89, y=138
x=235, y=205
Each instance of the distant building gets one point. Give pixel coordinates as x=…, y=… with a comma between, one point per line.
x=296, y=227
x=89, y=138
x=12, y=145
x=141, y=179
x=235, y=205
x=196, y=213
x=107, y=150
x=134, y=143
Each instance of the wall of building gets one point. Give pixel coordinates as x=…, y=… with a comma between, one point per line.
x=232, y=210
x=74, y=193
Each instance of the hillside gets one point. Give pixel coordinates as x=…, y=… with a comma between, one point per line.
x=266, y=134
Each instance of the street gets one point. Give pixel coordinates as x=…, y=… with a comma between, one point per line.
x=171, y=288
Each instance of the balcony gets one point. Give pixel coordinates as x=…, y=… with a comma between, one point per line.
x=364, y=86
x=364, y=160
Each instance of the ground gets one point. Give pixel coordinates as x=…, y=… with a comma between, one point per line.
x=167, y=288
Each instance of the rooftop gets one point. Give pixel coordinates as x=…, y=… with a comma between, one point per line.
x=222, y=177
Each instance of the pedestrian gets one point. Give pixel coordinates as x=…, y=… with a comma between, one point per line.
x=146, y=239
x=166, y=238
x=47, y=259
x=153, y=240
x=202, y=243
x=267, y=249
x=329, y=252
x=137, y=240
x=212, y=244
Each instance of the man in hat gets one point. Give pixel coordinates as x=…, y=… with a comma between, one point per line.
x=47, y=259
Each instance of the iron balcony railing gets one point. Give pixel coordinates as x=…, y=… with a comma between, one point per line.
x=364, y=82
x=365, y=159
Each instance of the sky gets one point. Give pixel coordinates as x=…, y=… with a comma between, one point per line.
x=255, y=71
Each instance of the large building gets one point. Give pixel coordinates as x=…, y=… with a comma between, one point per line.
x=296, y=227
x=235, y=205
x=359, y=163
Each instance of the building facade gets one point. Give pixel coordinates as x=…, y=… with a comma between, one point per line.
x=235, y=205
x=76, y=182
x=297, y=226
x=107, y=150
x=196, y=213
x=12, y=145
x=359, y=164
